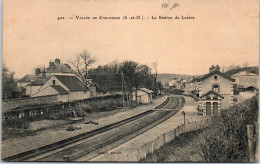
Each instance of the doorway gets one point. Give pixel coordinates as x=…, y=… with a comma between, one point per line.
x=208, y=108
x=215, y=108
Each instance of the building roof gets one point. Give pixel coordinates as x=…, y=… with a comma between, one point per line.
x=196, y=79
x=59, y=89
x=245, y=73
x=27, y=79
x=248, y=85
x=59, y=68
x=172, y=82
x=39, y=82
x=251, y=87
x=216, y=72
x=71, y=82
x=188, y=80
x=211, y=92
x=146, y=90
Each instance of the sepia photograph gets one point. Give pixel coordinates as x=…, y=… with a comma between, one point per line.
x=130, y=81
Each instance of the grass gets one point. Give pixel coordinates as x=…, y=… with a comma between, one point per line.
x=183, y=148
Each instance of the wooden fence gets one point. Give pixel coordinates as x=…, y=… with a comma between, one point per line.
x=43, y=110
x=252, y=134
x=136, y=154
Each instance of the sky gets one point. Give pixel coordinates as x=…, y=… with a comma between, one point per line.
x=224, y=32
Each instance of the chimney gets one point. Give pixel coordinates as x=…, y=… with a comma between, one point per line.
x=51, y=64
x=44, y=73
x=57, y=61
x=217, y=67
x=37, y=72
x=213, y=68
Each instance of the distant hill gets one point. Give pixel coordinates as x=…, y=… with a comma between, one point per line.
x=165, y=77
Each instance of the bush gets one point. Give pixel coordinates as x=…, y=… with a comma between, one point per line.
x=17, y=123
x=226, y=141
x=101, y=106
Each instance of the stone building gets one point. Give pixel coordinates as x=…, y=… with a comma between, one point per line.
x=215, y=92
x=67, y=87
x=246, y=81
x=32, y=83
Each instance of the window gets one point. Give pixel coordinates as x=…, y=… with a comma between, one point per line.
x=53, y=82
x=215, y=88
x=215, y=77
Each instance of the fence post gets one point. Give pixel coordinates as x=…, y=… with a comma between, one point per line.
x=257, y=141
x=252, y=139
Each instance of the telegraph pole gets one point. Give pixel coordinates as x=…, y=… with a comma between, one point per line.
x=122, y=78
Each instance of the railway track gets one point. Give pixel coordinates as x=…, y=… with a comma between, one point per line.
x=101, y=139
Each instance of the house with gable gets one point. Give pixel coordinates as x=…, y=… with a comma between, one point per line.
x=67, y=87
x=32, y=83
x=27, y=79
x=215, y=92
x=35, y=85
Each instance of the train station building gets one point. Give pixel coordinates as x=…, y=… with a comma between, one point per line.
x=215, y=92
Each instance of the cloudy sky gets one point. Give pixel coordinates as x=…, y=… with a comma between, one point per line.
x=224, y=32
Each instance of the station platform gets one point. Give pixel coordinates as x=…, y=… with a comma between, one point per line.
x=121, y=153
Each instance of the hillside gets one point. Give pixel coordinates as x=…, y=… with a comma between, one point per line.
x=254, y=69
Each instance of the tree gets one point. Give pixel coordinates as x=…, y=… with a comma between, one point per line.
x=123, y=76
x=129, y=69
x=82, y=62
x=9, y=90
x=135, y=76
x=108, y=76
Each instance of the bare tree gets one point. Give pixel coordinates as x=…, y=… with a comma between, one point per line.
x=82, y=62
x=87, y=61
x=77, y=66
x=155, y=64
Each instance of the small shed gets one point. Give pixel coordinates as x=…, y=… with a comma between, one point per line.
x=144, y=96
